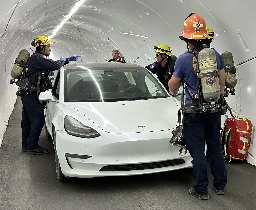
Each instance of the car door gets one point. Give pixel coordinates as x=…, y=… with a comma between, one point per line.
x=50, y=106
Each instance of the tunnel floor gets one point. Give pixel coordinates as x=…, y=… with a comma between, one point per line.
x=29, y=182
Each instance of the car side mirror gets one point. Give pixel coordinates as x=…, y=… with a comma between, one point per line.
x=46, y=96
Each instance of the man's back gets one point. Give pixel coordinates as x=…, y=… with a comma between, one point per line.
x=185, y=69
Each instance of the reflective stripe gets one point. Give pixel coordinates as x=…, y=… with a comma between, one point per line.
x=196, y=25
x=247, y=125
x=198, y=36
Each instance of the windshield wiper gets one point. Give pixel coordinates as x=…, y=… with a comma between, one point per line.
x=131, y=98
x=159, y=97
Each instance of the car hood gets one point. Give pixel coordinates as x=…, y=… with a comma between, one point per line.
x=130, y=116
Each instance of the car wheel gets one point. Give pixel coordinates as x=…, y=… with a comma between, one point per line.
x=47, y=135
x=60, y=176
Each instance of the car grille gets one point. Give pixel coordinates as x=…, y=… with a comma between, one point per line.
x=143, y=166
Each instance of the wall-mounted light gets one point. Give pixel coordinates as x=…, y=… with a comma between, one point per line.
x=137, y=35
x=243, y=42
x=249, y=89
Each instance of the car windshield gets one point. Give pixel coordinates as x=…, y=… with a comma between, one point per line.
x=103, y=85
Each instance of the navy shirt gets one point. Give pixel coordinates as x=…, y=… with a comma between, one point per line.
x=184, y=69
x=39, y=62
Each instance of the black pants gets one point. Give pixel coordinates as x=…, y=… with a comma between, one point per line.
x=32, y=120
x=198, y=130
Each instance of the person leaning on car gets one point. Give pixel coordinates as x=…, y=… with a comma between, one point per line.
x=39, y=66
x=164, y=65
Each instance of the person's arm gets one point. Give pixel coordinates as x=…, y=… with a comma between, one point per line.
x=222, y=80
x=221, y=68
x=49, y=64
x=152, y=67
x=175, y=81
x=172, y=61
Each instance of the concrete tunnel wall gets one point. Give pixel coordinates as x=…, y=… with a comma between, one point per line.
x=134, y=27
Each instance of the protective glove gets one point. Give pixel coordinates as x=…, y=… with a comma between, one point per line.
x=222, y=100
x=73, y=57
x=223, y=104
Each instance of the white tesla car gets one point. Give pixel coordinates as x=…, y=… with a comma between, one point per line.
x=111, y=119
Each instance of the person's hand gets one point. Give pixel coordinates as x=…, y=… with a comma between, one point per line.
x=222, y=100
x=176, y=93
x=62, y=59
x=73, y=57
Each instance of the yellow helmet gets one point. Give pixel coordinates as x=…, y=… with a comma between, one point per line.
x=41, y=41
x=163, y=49
x=210, y=32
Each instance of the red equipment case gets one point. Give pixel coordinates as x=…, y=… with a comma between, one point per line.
x=238, y=134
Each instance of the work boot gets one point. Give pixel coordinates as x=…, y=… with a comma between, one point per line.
x=193, y=192
x=219, y=192
x=38, y=151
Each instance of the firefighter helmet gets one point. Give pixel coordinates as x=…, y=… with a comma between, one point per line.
x=210, y=32
x=194, y=28
x=163, y=49
x=41, y=41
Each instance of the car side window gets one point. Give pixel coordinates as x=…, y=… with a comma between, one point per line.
x=130, y=78
x=152, y=88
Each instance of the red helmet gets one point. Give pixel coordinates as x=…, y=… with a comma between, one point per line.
x=194, y=28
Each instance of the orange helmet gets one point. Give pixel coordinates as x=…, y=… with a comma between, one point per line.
x=194, y=28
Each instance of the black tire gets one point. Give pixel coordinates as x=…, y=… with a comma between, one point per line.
x=47, y=135
x=60, y=176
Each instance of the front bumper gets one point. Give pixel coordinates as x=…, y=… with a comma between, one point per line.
x=118, y=154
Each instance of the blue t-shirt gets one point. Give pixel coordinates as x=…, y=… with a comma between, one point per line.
x=184, y=69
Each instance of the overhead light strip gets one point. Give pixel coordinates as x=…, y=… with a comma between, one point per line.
x=74, y=9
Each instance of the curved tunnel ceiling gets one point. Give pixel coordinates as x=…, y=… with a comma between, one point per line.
x=132, y=26
x=97, y=27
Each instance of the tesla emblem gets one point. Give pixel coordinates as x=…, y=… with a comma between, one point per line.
x=141, y=126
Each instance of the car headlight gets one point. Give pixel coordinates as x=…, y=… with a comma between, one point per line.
x=75, y=128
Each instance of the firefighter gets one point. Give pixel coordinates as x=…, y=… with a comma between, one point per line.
x=117, y=57
x=39, y=67
x=164, y=65
x=200, y=128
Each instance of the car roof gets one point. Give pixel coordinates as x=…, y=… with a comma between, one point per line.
x=104, y=66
